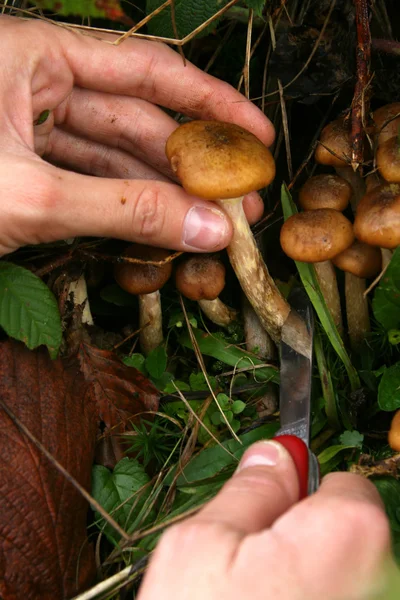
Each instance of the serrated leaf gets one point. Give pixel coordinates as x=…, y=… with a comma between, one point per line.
x=28, y=309
x=386, y=302
x=156, y=362
x=189, y=14
x=389, y=388
x=352, y=438
x=121, y=493
x=238, y=407
x=137, y=361
x=311, y=285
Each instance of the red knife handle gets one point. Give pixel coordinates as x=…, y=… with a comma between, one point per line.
x=299, y=453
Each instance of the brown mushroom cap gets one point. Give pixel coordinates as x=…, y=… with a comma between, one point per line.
x=317, y=235
x=200, y=277
x=377, y=219
x=336, y=137
x=388, y=160
x=359, y=259
x=325, y=191
x=394, y=432
x=138, y=278
x=217, y=160
x=381, y=116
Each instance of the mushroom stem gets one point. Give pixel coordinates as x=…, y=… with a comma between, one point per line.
x=386, y=257
x=150, y=321
x=252, y=273
x=357, y=183
x=79, y=291
x=254, y=333
x=326, y=276
x=358, y=323
x=218, y=312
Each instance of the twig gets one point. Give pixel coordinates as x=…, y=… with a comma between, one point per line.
x=361, y=94
x=246, y=70
x=388, y=46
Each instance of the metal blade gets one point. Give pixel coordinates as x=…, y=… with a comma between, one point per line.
x=296, y=367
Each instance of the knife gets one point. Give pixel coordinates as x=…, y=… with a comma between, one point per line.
x=295, y=390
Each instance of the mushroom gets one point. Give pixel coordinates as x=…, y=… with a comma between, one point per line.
x=223, y=162
x=394, y=432
x=388, y=159
x=377, y=219
x=317, y=236
x=325, y=191
x=201, y=277
x=387, y=121
x=334, y=192
x=78, y=289
x=145, y=281
x=359, y=261
x=335, y=151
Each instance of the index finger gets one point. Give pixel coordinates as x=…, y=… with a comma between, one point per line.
x=155, y=72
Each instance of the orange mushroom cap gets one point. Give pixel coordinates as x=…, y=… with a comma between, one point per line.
x=216, y=160
x=377, y=219
x=335, y=137
x=388, y=159
x=359, y=259
x=325, y=191
x=386, y=122
x=200, y=277
x=317, y=235
x=394, y=432
x=140, y=278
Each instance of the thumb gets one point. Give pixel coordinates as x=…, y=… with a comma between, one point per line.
x=149, y=212
x=264, y=486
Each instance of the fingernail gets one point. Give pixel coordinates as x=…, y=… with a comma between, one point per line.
x=263, y=454
x=204, y=228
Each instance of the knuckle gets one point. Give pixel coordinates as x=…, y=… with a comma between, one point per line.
x=149, y=212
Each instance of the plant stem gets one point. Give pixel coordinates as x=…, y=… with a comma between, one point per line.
x=360, y=106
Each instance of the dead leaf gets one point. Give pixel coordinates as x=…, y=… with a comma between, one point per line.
x=121, y=392
x=44, y=551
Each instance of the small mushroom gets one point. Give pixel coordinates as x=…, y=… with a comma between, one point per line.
x=145, y=281
x=377, y=219
x=394, y=432
x=78, y=289
x=388, y=159
x=359, y=261
x=317, y=236
x=222, y=162
x=387, y=121
x=335, y=151
x=325, y=191
x=201, y=278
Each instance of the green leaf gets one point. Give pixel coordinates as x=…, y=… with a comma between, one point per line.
x=389, y=389
x=389, y=490
x=170, y=388
x=238, y=407
x=386, y=302
x=223, y=400
x=156, y=362
x=163, y=381
x=84, y=8
x=310, y=282
x=213, y=345
x=198, y=382
x=210, y=461
x=394, y=336
x=256, y=5
x=216, y=418
x=28, y=309
x=330, y=457
x=124, y=486
x=137, y=361
x=352, y=438
x=115, y=295
x=189, y=14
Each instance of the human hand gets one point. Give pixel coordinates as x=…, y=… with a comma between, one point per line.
x=253, y=541
x=105, y=120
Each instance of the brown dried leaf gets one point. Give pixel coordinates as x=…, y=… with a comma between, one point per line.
x=44, y=551
x=121, y=392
